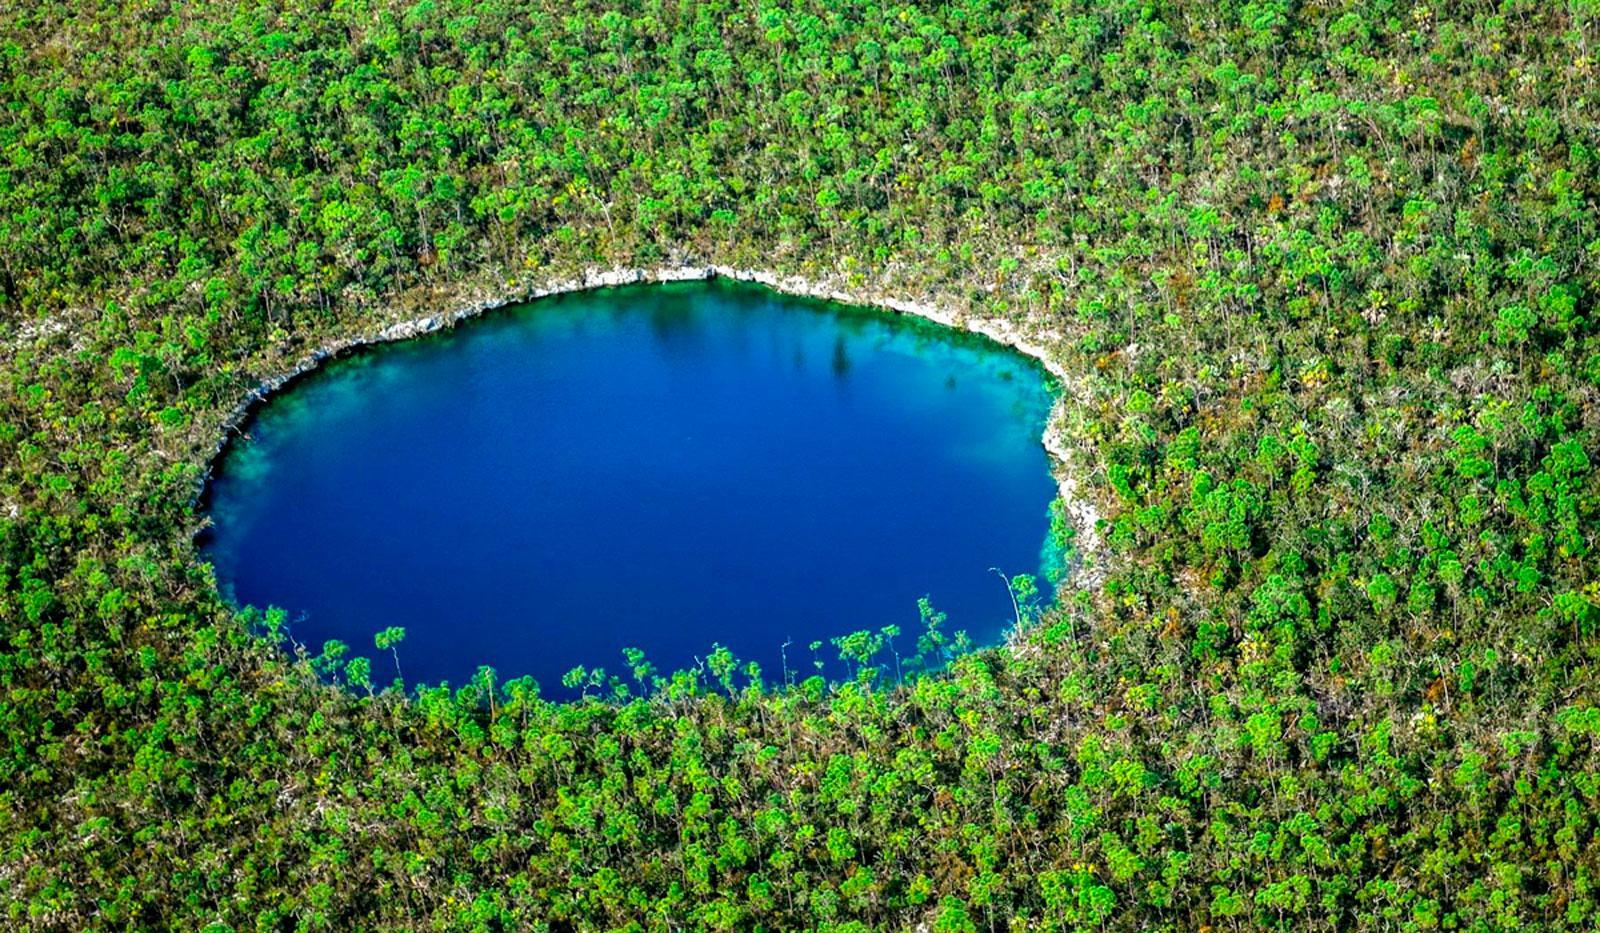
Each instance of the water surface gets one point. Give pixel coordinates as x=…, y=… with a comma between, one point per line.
x=661, y=467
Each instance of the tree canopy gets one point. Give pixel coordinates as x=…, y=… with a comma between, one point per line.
x=1324, y=276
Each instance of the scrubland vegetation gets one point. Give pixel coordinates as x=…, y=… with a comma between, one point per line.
x=1326, y=275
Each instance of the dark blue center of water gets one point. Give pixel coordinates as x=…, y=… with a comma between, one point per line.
x=656, y=467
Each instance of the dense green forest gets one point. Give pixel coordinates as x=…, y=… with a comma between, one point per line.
x=1325, y=275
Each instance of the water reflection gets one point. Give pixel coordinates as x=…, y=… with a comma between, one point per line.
x=662, y=467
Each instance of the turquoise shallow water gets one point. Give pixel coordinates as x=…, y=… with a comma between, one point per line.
x=660, y=467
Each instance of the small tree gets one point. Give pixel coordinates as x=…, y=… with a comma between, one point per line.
x=389, y=640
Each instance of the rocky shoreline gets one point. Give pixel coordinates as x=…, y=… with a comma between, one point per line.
x=1085, y=518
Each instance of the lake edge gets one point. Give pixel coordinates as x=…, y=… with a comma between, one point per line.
x=1087, y=570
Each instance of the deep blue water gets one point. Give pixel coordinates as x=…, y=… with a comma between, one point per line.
x=661, y=467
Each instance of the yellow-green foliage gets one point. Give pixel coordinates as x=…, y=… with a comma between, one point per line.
x=1326, y=275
